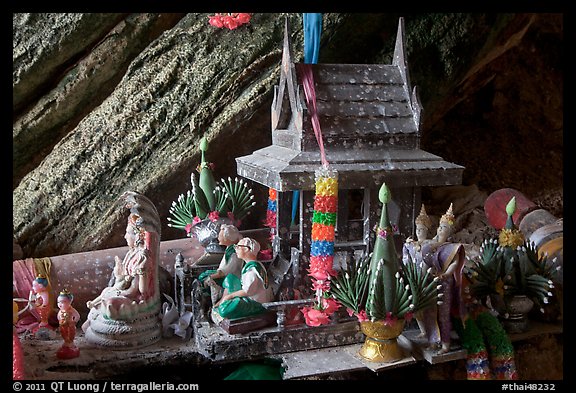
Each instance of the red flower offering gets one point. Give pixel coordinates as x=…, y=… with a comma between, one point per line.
x=229, y=20
x=315, y=317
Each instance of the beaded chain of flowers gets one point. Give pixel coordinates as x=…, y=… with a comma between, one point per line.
x=271, y=209
x=322, y=247
x=490, y=353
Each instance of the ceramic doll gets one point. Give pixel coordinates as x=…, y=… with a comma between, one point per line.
x=230, y=263
x=244, y=297
x=446, y=260
x=423, y=226
x=412, y=253
x=40, y=300
x=68, y=317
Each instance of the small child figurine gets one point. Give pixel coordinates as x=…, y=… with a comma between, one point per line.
x=68, y=317
x=40, y=301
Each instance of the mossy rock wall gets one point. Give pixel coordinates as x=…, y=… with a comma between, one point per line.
x=105, y=103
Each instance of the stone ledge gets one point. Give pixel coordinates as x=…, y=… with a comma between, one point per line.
x=97, y=363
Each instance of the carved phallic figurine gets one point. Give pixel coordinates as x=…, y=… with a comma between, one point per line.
x=127, y=314
x=446, y=261
x=244, y=296
x=68, y=317
x=228, y=236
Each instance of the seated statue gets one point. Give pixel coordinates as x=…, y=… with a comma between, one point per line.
x=243, y=297
x=230, y=263
x=446, y=261
x=126, y=314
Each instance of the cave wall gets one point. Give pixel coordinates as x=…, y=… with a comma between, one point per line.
x=104, y=103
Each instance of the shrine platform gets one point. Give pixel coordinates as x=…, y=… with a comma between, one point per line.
x=173, y=354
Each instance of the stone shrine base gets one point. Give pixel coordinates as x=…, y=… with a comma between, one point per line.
x=219, y=346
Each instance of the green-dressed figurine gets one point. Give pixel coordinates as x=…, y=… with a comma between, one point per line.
x=230, y=263
x=244, y=297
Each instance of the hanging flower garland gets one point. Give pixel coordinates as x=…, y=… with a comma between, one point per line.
x=271, y=209
x=322, y=247
x=230, y=21
x=499, y=346
x=324, y=224
x=323, y=219
x=490, y=353
x=270, y=221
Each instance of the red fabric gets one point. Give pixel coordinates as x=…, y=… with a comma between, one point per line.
x=17, y=358
x=23, y=273
x=310, y=93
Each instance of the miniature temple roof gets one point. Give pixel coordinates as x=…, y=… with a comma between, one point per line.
x=370, y=121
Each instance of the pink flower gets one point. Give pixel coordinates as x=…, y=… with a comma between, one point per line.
x=265, y=254
x=389, y=320
x=321, y=267
x=382, y=232
x=196, y=220
x=188, y=227
x=315, y=317
x=408, y=316
x=230, y=22
x=322, y=285
x=270, y=219
x=319, y=273
x=216, y=21
x=243, y=18
x=231, y=216
x=362, y=316
x=330, y=305
x=213, y=216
